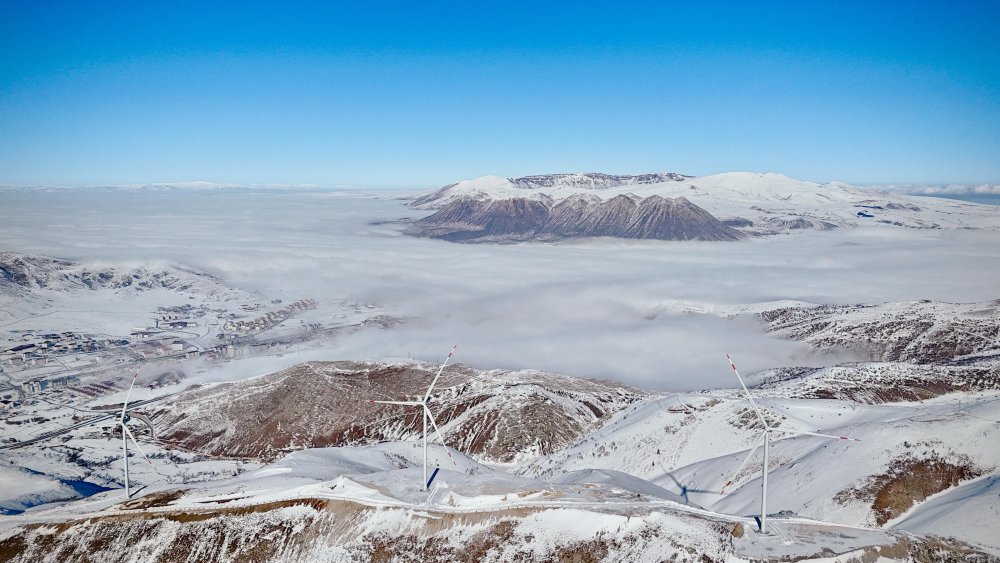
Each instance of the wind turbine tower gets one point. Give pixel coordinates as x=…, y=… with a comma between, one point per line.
x=426, y=414
x=127, y=435
x=765, y=438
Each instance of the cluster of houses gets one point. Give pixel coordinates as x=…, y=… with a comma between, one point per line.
x=12, y=393
x=268, y=320
x=38, y=352
x=150, y=348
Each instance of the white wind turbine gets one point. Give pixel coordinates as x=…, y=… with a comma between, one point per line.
x=765, y=437
x=426, y=413
x=127, y=434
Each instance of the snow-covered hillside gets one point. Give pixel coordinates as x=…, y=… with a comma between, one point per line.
x=756, y=203
x=347, y=504
x=21, y=273
x=544, y=466
x=921, y=331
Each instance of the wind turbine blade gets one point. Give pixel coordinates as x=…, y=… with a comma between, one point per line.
x=129, y=394
x=406, y=403
x=438, y=433
x=786, y=431
x=746, y=460
x=136, y=444
x=747, y=391
x=434, y=381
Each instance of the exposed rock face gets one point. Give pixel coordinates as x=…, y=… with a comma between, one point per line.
x=512, y=217
x=495, y=416
x=624, y=216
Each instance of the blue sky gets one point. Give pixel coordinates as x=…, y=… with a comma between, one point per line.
x=424, y=93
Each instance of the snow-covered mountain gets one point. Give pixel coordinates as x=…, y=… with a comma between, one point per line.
x=754, y=203
x=545, y=467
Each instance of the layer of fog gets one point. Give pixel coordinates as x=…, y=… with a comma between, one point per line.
x=939, y=189
x=642, y=312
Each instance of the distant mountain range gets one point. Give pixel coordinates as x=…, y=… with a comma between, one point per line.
x=671, y=206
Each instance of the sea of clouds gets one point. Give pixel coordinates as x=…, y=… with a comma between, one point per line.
x=649, y=313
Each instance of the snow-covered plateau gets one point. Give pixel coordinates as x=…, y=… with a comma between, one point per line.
x=588, y=414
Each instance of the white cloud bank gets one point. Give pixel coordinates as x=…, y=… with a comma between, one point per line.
x=624, y=310
x=939, y=189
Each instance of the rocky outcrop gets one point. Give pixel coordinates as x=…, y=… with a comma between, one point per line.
x=582, y=215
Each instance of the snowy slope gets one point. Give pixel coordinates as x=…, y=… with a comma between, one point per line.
x=348, y=505
x=971, y=510
x=921, y=331
x=644, y=470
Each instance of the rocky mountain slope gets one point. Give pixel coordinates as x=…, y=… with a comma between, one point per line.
x=494, y=416
x=623, y=216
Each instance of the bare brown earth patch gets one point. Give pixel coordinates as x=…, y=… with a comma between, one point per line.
x=908, y=481
x=323, y=404
x=153, y=500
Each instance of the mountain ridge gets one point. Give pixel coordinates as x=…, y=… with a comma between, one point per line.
x=757, y=204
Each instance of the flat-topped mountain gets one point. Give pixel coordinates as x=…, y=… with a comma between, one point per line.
x=749, y=202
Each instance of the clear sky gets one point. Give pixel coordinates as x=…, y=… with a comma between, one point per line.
x=423, y=93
